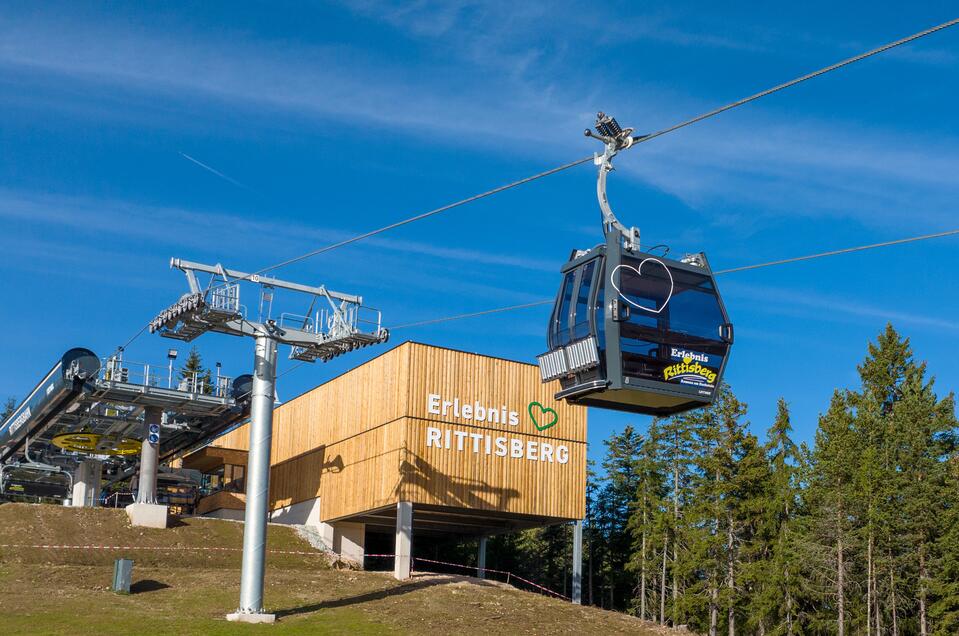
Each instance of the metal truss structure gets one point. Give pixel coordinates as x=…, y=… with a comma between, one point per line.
x=342, y=326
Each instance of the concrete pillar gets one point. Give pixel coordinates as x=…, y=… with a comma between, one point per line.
x=149, y=454
x=404, y=540
x=481, y=559
x=578, y=562
x=86, y=484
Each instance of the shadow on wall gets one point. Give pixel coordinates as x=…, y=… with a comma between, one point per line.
x=448, y=490
x=301, y=476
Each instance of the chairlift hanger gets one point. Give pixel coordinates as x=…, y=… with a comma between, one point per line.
x=630, y=330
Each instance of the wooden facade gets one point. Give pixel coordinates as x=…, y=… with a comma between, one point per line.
x=378, y=435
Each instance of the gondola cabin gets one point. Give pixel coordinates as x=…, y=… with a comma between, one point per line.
x=637, y=332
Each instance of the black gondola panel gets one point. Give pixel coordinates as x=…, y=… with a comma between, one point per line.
x=637, y=332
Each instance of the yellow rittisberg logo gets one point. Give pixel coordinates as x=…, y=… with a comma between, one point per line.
x=694, y=371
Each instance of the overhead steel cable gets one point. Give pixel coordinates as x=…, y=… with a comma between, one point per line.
x=572, y=164
x=846, y=250
x=418, y=217
x=134, y=337
x=642, y=138
x=731, y=270
x=424, y=215
x=798, y=80
x=473, y=314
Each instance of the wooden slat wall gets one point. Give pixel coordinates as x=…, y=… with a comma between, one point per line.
x=358, y=441
x=448, y=477
x=366, y=396
x=451, y=477
x=221, y=500
x=467, y=375
x=370, y=477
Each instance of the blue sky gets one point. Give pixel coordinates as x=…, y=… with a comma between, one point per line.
x=330, y=119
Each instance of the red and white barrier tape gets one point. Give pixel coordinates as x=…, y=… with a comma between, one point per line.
x=509, y=574
x=146, y=547
x=295, y=552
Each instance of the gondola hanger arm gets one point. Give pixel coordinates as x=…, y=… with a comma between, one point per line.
x=614, y=139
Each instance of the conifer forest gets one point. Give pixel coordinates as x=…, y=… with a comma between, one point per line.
x=697, y=521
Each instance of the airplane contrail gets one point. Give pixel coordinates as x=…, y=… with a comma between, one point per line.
x=216, y=172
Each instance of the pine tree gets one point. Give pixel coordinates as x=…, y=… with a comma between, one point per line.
x=747, y=546
x=924, y=499
x=887, y=374
x=944, y=587
x=545, y=555
x=701, y=524
x=774, y=579
x=726, y=473
x=831, y=492
x=615, y=506
x=677, y=456
x=590, y=530
x=8, y=408
x=195, y=375
x=649, y=504
x=704, y=518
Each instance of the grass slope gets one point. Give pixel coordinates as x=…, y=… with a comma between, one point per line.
x=56, y=591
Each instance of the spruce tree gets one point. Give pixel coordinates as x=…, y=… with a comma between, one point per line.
x=887, y=374
x=591, y=532
x=8, y=408
x=727, y=471
x=831, y=493
x=649, y=504
x=195, y=375
x=925, y=499
x=944, y=586
x=678, y=453
x=747, y=546
x=616, y=503
x=775, y=583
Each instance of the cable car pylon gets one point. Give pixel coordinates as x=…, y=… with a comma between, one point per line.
x=343, y=326
x=630, y=330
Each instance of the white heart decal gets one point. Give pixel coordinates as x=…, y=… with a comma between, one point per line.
x=639, y=272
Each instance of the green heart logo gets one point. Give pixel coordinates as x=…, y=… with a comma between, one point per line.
x=534, y=409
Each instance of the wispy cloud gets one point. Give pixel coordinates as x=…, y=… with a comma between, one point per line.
x=180, y=228
x=770, y=162
x=810, y=303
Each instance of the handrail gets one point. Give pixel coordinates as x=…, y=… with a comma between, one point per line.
x=116, y=369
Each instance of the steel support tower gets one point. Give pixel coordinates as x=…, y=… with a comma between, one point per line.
x=342, y=325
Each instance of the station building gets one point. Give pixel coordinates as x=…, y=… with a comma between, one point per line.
x=421, y=441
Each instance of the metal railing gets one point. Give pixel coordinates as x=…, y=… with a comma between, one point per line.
x=297, y=321
x=115, y=369
x=352, y=319
x=224, y=299
x=128, y=498
x=348, y=319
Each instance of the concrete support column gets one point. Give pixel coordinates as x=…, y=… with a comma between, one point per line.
x=578, y=562
x=404, y=540
x=86, y=484
x=149, y=454
x=481, y=559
